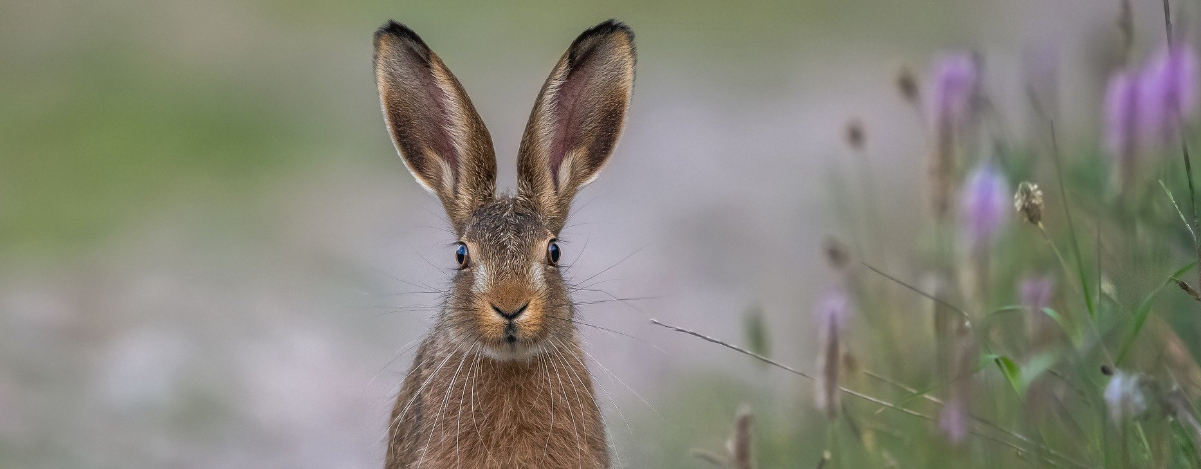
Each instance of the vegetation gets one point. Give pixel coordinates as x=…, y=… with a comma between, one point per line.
x=1048, y=320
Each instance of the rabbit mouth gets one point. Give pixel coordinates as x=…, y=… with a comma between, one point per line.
x=511, y=348
x=512, y=330
x=512, y=341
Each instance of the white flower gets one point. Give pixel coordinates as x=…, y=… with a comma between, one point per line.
x=1125, y=397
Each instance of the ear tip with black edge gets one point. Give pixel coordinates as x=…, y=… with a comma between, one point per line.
x=395, y=34
x=610, y=26
x=588, y=40
x=393, y=28
x=398, y=31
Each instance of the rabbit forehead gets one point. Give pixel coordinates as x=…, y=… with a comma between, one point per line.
x=505, y=231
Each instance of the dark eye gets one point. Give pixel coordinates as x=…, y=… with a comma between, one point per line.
x=461, y=255
x=552, y=252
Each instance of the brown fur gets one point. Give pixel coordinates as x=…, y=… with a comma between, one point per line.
x=484, y=413
x=501, y=379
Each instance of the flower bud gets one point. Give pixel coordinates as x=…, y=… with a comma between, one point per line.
x=907, y=85
x=855, y=134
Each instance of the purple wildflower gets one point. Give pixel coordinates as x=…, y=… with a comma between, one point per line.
x=951, y=108
x=1144, y=109
x=834, y=311
x=1036, y=292
x=833, y=314
x=956, y=82
x=1168, y=91
x=984, y=205
x=953, y=420
x=1121, y=113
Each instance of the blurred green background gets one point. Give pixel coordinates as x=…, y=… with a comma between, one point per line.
x=209, y=249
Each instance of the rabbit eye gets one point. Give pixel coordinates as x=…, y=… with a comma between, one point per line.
x=552, y=252
x=461, y=255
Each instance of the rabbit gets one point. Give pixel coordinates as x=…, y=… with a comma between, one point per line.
x=500, y=380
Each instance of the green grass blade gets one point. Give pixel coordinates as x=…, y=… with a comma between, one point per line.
x=1012, y=372
x=1144, y=310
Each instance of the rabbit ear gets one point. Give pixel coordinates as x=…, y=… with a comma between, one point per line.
x=435, y=128
x=577, y=119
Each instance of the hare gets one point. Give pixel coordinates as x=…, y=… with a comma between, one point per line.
x=500, y=380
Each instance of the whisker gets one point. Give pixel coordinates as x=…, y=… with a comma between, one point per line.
x=406, y=282
x=562, y=357
x=400, y=416
x=570, y=413
x=403, y=350
x=459, y=419
x=627, y=303
x=438, y=418
x=579, y=255
x=549, y=387
x=404, y=293
x=613, y=401
x=605, y=329
x=623, y=383
x=427, y=261
x=580, y=285
x=474, y=384
x=611, y=300
x=606, y=269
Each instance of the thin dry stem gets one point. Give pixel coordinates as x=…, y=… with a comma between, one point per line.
x=742, y=441
x=857, y=394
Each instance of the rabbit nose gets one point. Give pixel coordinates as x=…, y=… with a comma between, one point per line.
x=510, y=315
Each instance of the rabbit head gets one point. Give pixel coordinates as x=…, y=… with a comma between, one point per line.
x=508, y=297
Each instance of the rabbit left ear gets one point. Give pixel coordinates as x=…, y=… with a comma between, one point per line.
x=433, y=124
x=577, y=119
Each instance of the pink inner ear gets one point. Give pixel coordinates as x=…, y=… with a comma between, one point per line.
x=418, y=110
x=441, y=141
x=568, y=114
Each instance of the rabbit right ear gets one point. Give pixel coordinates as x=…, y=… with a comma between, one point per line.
x=435, y=128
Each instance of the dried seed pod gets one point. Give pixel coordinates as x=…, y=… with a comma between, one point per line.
x=1028, y=201
x=907, y=85
x=1188, y=289
x=833, y=314
x=856, y=134
x=836, y=254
